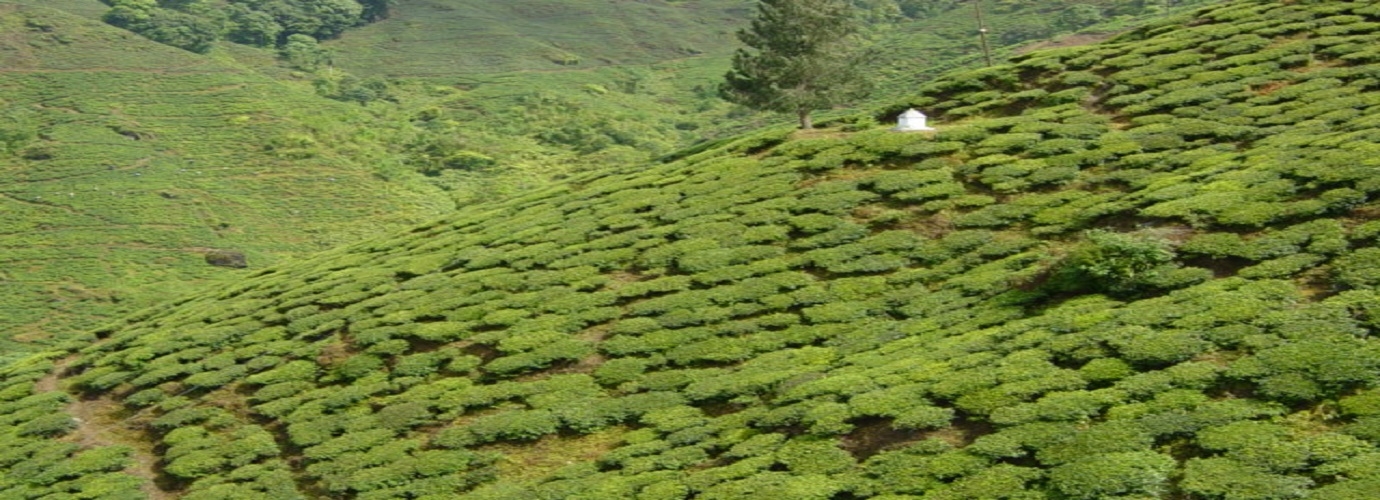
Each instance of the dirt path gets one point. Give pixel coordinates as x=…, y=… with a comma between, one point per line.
x=49, y=382
x=97, y=426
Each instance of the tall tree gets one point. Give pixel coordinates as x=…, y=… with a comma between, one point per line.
x=802, y=56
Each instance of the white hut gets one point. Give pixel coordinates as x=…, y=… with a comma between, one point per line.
x=912, y=120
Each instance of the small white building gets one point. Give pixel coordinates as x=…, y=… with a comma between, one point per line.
x=912, y=120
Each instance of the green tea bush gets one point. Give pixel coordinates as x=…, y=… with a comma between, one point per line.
x=844, y=233
x=1282, y=267
x=1115, y=262
x=998, y=481
x=1105, y=370
x=1228, y=479
x=1058, y=406
x=47, y=426
x=566, y=349
x=1360, y=269
x=298, y=370
x=217, y=378
x=1157, y=347
x=1309, y=368
x=814, y=456
x=359, y=366
x=1110, y=437
x=280, y=390
x=1114, y=474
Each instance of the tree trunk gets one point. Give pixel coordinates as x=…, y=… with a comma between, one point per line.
x=805, y=122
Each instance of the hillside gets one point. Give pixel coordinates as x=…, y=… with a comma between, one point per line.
x=466, y=37
x=230, y=150
x=124, y=161
x=546, y=91
x=86, y=8
x=1140, y=269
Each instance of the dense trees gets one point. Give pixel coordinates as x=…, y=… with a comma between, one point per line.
x=803, y=58
x=318, y=18
x=173, y=27
x=195, y=24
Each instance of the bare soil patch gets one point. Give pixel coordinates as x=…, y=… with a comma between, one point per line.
x=100, y=423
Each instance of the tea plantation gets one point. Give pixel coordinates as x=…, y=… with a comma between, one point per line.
x=122, y=161
x=1142, y=269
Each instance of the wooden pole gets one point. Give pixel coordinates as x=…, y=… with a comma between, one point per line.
x=982, y=32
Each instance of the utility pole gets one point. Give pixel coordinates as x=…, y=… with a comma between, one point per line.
x=982, y=32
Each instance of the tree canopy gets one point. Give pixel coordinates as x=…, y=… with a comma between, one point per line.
x=801, y=56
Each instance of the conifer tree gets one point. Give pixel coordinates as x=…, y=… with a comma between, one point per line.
x=802, y=58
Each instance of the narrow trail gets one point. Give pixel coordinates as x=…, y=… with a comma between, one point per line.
x=49, y=382
x=97, y=426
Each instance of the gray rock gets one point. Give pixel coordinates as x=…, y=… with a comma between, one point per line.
x=227, y=258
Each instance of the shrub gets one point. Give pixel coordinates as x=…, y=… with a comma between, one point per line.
x=417, y=365
x=999, y=481
x=1360, y=269
x=1113, y=474
x=48, y=426
x=1159, y=347
x=1114, y=262
x=1310, y=368
x=1366, y=403
x=1112, y=436
x=812, y=456
x=196, y=464
x=403, y=415
x=1258, y=444
x=359, y=366
x=1227, y=479
x=1282, y=267
x=1356, y=489
x=299, y=370
x=353, y=441
x=517, y=425
x=217, y=378
x=1106, y=370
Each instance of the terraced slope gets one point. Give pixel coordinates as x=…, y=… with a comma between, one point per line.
x=86, y=8
x=465, y=37
x=124, y=161
x=1140, y=269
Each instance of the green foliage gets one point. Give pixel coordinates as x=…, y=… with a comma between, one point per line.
x=302, y=51
x=359, y=366
x=1115, y=262
x=172, y=27
x=801, y=59
x=1360, y=269
x=1227, y=479
x=518, y=425
x=318, y=18
x=1114, y=474
x=848, y=313
x=48, y=426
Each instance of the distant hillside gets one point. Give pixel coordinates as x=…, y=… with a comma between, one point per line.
x=89, y=97
x=1141, y=269
x=124, y=161
x=463, y=37
x=86, y=8
x=605, y=101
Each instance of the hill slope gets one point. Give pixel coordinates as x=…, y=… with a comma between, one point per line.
x=1141, y=269
x=124, y=161
x=464, y=37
